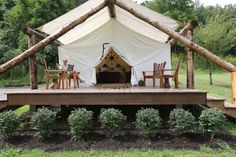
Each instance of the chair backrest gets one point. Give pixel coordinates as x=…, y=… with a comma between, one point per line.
x=45, y=64
x=177, y=67
x=158, y=67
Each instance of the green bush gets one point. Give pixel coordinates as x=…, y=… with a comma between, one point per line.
x=182, y=121
x=112, y=121
x=80, y=120
x=44, y=120
x=212, y=120
x=148, y=122
x=9, y=123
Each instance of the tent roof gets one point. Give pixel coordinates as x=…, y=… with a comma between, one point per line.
x=102, y=17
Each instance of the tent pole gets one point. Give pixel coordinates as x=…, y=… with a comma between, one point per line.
x=111, y=8
x=191, y=25
x=32, y=64
x=190, y=63
x=29, y=31
x=204, y=52
x=18, y=59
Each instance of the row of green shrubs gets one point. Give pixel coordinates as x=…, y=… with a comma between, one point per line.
x=112, y=120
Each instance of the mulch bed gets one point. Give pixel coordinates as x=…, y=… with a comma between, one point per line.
x=61, y=140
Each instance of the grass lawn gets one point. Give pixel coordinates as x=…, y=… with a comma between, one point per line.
x=221, y=83
x=203, y=152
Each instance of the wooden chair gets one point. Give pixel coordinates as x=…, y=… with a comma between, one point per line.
x=174, y=76
x=51, y=75
x=77, y=79
x=156, y=73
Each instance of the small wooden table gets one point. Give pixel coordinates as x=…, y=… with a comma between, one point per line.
x=61, y=76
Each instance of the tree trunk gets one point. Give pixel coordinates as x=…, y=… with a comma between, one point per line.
x=49, y=39
x=233, y=84
x=202, y=51
x=210, y=73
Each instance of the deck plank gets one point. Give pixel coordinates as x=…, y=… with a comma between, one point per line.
x=105, y=95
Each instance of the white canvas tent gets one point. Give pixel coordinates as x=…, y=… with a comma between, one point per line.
x=137, y=42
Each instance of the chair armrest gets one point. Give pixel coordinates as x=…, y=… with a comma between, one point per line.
x=168, y=69
x=144, y=72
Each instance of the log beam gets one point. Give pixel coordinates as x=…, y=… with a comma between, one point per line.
x=18, y=59
x=111, y=8
x=29, y=31
x=233, y=87
x=32, y=64
x=196, y=48
x=190, y=63
x=191, y=25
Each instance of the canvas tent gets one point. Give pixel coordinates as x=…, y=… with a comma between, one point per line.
x=135, y=41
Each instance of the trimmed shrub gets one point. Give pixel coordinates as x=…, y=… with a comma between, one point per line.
x=212, y=120
x=182, y=121
x=44, y=121
x=80, y=120
x=148, y=122
x=112, y=120
x=9, y=123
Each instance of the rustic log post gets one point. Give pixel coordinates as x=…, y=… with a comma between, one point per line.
x=191, y=25
x=32, y=64
x=176, y=36
x=49, y=39
x=190, y=63
x=233, y=86
x=111, y=8
x=39, y=35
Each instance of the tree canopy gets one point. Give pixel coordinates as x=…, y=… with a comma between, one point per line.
x=181, y=10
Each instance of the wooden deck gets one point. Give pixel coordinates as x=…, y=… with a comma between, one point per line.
x=105, y=96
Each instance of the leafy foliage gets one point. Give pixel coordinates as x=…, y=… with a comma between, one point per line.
x=112, y=120
x=181, y=10
x=9, y=123
x=217, y=30
x=182, y=121
x=212, y=120
x=148, y=122
x=80, y=120
x=44, y=120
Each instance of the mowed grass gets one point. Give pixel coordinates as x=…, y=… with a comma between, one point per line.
x=203, y=152
x=221, y=83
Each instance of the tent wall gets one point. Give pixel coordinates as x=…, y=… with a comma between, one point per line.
x=136, y=49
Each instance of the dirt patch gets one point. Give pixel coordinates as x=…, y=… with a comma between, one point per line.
x=61, y=140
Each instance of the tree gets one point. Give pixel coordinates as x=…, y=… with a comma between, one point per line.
x=218, y=36
x=181, y=10
x=17, y=14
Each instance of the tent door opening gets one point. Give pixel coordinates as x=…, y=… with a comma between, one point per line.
x=113, y=69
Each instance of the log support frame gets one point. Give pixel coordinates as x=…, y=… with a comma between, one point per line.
x=29, y=31
x=111, y=8
x=190, y=63
x=32, y=64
